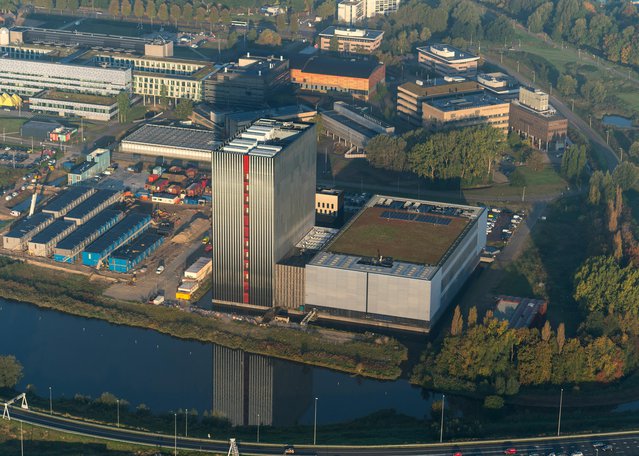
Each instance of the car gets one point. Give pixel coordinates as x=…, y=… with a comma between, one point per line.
x=458, y=453
x=576, y=453
x=607, y=447
x=160, y=269
x=289, y=449
x=8, y=197
x=597, y=444
x=143, y=269
x=510, y=451
x=14, y=194
x=15, y=213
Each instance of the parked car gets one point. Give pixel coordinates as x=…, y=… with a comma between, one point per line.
x=160, y=269
x=510, y=451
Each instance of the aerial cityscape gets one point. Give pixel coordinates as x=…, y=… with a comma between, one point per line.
x=319, y=227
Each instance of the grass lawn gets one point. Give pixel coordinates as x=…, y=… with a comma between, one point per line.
x=545, y=180
x=11, y=124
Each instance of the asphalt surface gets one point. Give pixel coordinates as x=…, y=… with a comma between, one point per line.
x=626, y=444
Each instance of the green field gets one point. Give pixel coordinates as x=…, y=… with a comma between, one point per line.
x=11, y=125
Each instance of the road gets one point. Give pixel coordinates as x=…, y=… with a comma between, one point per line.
x=624, y=443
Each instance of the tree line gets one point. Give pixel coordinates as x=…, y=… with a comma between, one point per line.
x=467, y=154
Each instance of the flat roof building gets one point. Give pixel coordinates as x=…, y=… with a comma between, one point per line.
x=351, y=11
x=447, y=60
x=43, y=243
x=499, y=84
x=247, y=83
x=128, y=256
x=93, y=205
x=63, y=202
x=264, y=186
x=534, y=118
x=96, y=162
x=200, y=270
x=131, y=226
x=171, y=142
x=350, y=40
x=398, y=261
x=68, y=249
x=325, y=74
x=353, y=125
x=71, y=104
x=329, y=206
x=23, y=230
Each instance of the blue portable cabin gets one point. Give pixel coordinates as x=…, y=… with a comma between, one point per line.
x=68, y=249
x=132, y=226
x=130, y=255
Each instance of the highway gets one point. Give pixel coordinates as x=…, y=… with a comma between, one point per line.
x=624, y=443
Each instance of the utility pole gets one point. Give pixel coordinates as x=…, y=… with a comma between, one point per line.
x=315, y=424
x=441, y=425
x=21, y=440
x=607, y=136
x=186, y=422
x=175, y=435
x=621, y=154
x=561, y=402
x=573, y=105
x=50, y=402
x=523, y=194
x=118, y=404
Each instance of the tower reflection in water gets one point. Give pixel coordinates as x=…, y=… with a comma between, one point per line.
x=246, y=386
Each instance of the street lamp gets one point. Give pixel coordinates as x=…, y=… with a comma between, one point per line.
x=186, y=422
x=315, y=424
x=561, y=402
x=118, y=404
x=175, y=435
x=258, y=428
x=441, y=425
x=50, y=402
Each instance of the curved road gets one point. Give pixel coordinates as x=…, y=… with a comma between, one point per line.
x=623, y=443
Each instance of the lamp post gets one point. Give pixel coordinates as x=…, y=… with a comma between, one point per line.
x=258, y=428
x=441, y=425
x=561, y=402
x=175, y=435
x=118, y=405
x=315, y=424
x=186, y=422
x=50, y=402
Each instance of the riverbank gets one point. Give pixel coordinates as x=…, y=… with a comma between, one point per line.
x=367, y=355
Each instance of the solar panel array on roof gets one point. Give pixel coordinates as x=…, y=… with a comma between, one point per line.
x=26, y=225
x=433, y=219
x=89, y=229
x=66, y=200
x=411, y=216
x=52, y=231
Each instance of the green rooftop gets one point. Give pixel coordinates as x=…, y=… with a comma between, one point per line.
x=77, y=98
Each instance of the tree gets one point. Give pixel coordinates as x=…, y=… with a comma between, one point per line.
x=573, y=163
x=457, y=325
x=269, y=38
x=294, y=24
x=539, y=18
x=225, y=16
x=184, y=108
x=472, y=317
x=333, y=44
x=326, y=9
x=251, y=35
x=567, y=85
x=593, y=91
x=151, y=12
x=280, y=23
x=387, y=152
x=200, y=14
x=114, y=7
x=138, y=8
x=493, y=402
x=163, y=12
x=561, y=337
x=187, y=12
x=626, y=175
x=125, y=8
x=124, y=105
x=175, y=12
x=214, y=16
x=10, y=371
x=164, y=96
x=546, y=332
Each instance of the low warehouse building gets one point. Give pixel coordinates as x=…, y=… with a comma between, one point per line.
x=161, y=141
x=61, y=204
x=96, y=162
x=69, y=248
x=132, y=226
x=43, y=243
x=130, y=255
x=23, y=230
x=397, y=262
x=199, y=270
x=92, y=206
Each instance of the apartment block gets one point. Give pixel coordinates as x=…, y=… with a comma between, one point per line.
x=447, y=60
x=350, y=40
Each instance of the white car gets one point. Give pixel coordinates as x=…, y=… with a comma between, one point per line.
x=160, y=269
x=577, y=453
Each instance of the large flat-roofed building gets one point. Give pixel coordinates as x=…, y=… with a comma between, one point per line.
x=467, y=109
x=43, y=243
x=353, y=125
x=375, y=7
x=161, y=141
x=69, y=249
x=325, y=74
x=264, y=186
x=97, y=202
x=412, y=95
x=23, y=230
x=96, y=162
x=130, y=255
x=533, y=117
x=62, y=203
x=499, y=84
x=152, y=76
x=131, y=227
x=447, y=60
x=247, y=83
x=30, y=77
x=398, y=261
x=350, y=40
x=71, y=104
x=351, y=11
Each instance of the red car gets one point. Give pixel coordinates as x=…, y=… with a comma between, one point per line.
x=510, y=451
x=457, y=454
